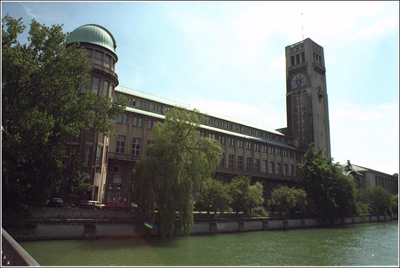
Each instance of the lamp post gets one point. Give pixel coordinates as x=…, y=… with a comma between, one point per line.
x=118, y=193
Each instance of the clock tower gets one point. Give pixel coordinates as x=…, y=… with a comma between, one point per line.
x=306, y=96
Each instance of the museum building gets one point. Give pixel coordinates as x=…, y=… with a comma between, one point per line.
x=266, y=155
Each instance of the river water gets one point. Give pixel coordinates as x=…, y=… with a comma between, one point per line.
x=370, y=244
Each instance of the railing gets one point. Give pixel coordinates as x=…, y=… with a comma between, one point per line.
x=128, y=157
x=12, y=254
x=105, y=69
x=256, y=173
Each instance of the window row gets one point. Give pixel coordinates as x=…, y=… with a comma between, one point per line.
x=88, y=156
x=253, y=146
x=135, y=145
x=297, y=59
x=258, y=165
x=101, y=58
x=136, y=121
x=101, y=87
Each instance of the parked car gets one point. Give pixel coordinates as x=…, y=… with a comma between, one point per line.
x=115, y=206
x=55, y=202
x=90, y=204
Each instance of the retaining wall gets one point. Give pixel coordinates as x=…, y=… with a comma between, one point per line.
x=57, y=229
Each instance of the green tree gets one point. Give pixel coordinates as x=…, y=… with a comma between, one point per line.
x=75, y=182
x=43, y=109
x=255, y=195
x=173, y=167
x=395, y=204
x=379, y=199
x=286, y=199
x=333, y=193
x=214, y=196
x=239, y=192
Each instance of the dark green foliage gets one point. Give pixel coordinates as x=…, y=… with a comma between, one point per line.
x=289, y=200
x=75, y=182
x=173, y=167
x=42, y=110
x=332, y=193
x=395, y=204
x=214, y=196
x=239, y=192
x=259, y=211
x=378, y=198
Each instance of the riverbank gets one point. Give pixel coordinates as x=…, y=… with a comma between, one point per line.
x=59, y=224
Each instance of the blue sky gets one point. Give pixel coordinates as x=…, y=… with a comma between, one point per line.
x=228, y=57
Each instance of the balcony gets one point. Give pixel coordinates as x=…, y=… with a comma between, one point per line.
x=120, y=156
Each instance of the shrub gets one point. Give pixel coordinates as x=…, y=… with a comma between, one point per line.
x=259, y=211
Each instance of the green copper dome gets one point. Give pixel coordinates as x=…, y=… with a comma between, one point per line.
x=93, y=34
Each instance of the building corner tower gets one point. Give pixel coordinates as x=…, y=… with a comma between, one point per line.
x=93, y=147
x=306, y=96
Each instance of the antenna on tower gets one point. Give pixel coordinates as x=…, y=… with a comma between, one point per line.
x=302, y=29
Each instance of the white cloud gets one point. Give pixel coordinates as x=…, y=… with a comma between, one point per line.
x=368, y=135
x=29, y=11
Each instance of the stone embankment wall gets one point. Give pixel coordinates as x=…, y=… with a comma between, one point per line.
x=88, y=224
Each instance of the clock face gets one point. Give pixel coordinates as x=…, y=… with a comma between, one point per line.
x=298, y=80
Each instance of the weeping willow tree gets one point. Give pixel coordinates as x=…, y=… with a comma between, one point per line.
x=173, y=167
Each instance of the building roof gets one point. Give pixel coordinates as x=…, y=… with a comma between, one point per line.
x=232, y=133
x=364, y=170
x=94, y=34
x=154, y=98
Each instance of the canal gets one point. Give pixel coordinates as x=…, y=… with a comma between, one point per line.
x=370, y=244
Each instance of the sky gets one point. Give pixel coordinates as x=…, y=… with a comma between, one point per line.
x=229, y=58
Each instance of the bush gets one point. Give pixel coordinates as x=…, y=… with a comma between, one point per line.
x=363, y=209
x=259, y=211
x=379, y=199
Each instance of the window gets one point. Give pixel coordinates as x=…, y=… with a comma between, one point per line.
x=89, y=53
x=221, y=139
x=285, y=169
x=137, y=121
x=157, y=108
x=257, y=147
x=131, y=102
x=271, y=150
x=107, y=59
x=240, y=162
x=248, y=145
x=278, y=168
x=88, y=155
x=117, y=177
x=257, y=165
x=105, y=88
x=292, y=170
x=272, y=167
x=231, y=142
x=231, y=161
x=240, y=143
x=135, y=146
x=292, y=60
x=98, y=155
x=264, y=148
x=95, y=85
x=211, y=136
x=202, y=134
x=150, y=124
x=248, y=163
x=98, y=55
x=264, y=166
x=120, y=146
x=285, y=153
x=222, y=160
x=144, y=105
x=123, y=119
